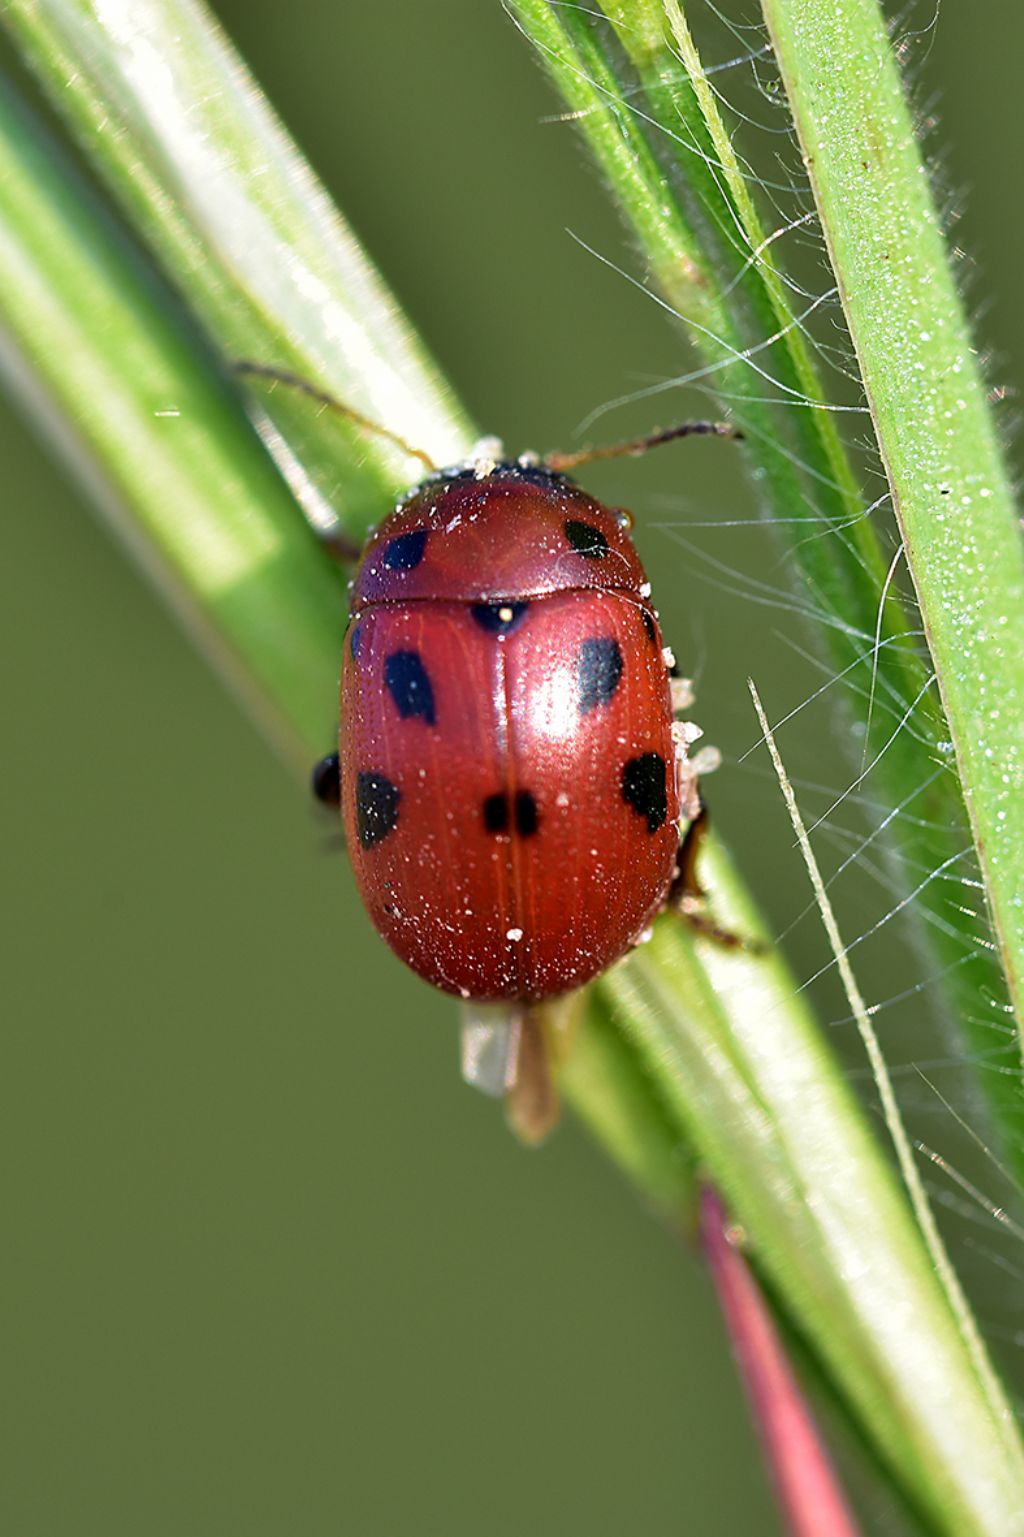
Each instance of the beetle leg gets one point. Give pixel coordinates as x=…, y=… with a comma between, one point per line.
x=326, y=780
x=505, y=1055
x=531, y=1101
x=685, y=885
x=271, y=374
x=686, y=896
x=637, y=446
x=339, y=546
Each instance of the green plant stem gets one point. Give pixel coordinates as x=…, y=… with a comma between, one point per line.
x=725, y=287
x=120, y=379
x=611, y=1091
x=213, y=183
x=94, y=343
x=912, y=1180
x=743, y=1067
x=238, y=220
x=949, y=483
x=724, y=1062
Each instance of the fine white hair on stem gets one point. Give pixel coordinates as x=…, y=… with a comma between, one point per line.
x=876, y=647
x=731, y=354
x=911, y=707
x=890, y=1109
x=992, y=1209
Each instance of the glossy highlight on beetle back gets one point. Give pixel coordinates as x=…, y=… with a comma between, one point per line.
x=509, y=786
x=516, y=533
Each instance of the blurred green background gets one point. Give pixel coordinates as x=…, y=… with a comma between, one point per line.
x=269, y=1267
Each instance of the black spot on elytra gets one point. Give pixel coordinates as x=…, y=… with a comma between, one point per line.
x=406, y=551
x=497, y=817
x=355, y=640
x=496, y=814
x=376, y=807
x=643, y=788
x=649, y=625
x=527, y=817
x=326, y=780
x=586, y=539
x=499, y=618
x=598, y=672
x=408, y=683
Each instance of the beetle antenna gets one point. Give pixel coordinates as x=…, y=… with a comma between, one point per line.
x=637, y=446
x=296, y=382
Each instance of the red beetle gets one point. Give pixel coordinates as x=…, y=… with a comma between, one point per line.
x=511, y=773
x=509, y=767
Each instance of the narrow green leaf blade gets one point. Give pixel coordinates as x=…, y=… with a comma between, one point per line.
x=739, y=1059
x=949, y=481
x=700, y=232
x=724, y=1041
x=244, y=229
x=120, y=378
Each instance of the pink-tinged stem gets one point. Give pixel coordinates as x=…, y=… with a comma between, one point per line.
x=812, y=1501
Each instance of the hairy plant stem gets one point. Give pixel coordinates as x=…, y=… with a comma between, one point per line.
x=692, y=1053
x=669, y=161
x=949, y=482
